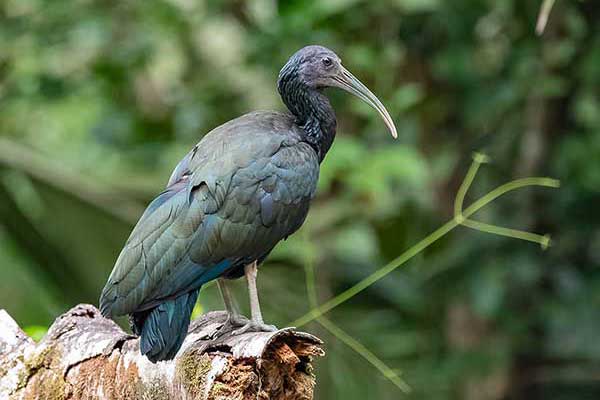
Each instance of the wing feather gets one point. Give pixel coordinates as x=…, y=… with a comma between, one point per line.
x=227, y=203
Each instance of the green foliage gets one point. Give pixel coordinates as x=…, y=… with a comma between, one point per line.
x=36, y=332
x=100, y=99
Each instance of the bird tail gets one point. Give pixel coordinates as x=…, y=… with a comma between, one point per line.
x=163, y=328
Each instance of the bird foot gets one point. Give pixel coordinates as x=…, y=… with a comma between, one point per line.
x=254, y=326
x=233, y=321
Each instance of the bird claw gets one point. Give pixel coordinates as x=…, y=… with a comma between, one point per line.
x=236, y=320
x=253, y=326
x=232, y=321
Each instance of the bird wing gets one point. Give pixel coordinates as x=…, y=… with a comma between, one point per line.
x=225, y=205
x=156, y=244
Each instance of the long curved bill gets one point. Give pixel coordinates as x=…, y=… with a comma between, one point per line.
x=345, y=80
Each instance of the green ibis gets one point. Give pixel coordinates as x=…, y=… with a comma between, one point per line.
x=243, y=188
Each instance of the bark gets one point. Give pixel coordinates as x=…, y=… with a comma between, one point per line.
x=86, y=356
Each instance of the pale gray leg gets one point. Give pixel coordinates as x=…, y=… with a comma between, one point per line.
x=227, y=296
x=234, y=318
x=251, y=271
x=256, y=323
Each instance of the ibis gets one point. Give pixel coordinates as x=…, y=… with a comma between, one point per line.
x=243, y=188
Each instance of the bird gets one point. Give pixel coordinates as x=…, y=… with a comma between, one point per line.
x=243, y=188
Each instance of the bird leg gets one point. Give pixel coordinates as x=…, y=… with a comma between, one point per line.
x=251, y=270
x=234, y=318
x=256, y=323
x=228, y=299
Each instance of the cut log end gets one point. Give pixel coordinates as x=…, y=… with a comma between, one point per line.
x=85, y=355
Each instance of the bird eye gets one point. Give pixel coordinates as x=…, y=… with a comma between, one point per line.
x=327, y=61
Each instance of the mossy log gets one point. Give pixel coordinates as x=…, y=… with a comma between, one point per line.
x=86, y=356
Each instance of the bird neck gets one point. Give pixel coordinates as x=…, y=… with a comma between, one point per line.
x=313, y=113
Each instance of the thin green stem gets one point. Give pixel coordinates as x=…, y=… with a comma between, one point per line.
x=311, y=289
x=365, y=353
x=509, y=187
x=543, y=240
x=375, y=276
x=478, y=159
x=460, y=218
x=420, y=246
x=348, y=340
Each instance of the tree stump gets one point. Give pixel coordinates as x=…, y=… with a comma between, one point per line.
x=86, y=356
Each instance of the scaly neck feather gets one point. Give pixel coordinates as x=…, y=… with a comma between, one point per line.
x=311, y=108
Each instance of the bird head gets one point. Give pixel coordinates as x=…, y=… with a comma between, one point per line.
x=317, y=68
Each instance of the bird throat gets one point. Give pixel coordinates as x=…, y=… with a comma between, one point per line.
x=313, y=113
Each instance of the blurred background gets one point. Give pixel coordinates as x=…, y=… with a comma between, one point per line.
x=100, y=99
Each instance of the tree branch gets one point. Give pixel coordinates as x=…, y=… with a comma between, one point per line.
x=87, y=356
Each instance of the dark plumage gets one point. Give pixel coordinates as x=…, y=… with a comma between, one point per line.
x=244, y=187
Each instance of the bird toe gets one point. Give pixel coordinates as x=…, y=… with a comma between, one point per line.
x=254, y=326
x=233, y=321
